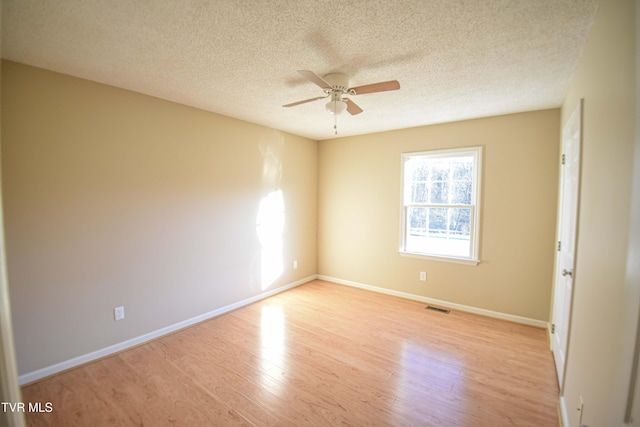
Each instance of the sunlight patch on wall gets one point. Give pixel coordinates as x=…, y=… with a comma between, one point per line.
x=270, y=226
x=270, y=221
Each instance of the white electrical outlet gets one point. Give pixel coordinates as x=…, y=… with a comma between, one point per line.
x=580, y=410
x=118, y=313
x=295, y=264
x=423, y=276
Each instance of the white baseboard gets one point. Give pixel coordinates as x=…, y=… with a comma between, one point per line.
x=564, y=417
x=89, y=357
x=440, y=303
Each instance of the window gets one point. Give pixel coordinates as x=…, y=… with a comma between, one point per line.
x=441, y=191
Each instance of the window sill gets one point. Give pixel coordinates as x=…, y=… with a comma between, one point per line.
x=466, y=261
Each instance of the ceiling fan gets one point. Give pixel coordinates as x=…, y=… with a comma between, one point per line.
x=336, y=87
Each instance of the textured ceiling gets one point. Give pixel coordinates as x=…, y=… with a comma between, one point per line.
x=454, y=59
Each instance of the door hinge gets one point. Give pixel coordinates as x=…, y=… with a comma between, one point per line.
x=559, y=245
x=563, y=159
x=553, y=328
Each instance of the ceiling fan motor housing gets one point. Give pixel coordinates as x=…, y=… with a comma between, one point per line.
x=338, y=81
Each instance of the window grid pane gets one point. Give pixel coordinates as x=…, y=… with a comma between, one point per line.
x=440, y=204
x=439, y=231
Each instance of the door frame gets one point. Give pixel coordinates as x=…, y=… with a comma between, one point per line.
x=577, y=114
x=9, y=386
x=632, y=410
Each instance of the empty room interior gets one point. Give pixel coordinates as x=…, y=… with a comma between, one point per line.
x=320, y=213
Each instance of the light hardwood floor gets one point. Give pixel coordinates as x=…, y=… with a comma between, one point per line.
x=320, y=354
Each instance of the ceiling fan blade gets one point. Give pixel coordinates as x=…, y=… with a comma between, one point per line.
x=375, y=87
x=352, y=108
x=304, y=102
x=313, y=77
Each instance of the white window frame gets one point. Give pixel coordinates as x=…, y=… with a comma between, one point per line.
x=474, y=233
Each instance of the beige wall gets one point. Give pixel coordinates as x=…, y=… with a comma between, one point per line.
x=115, y=198
x=9, y=388
x=605, y=298
x=359, y=213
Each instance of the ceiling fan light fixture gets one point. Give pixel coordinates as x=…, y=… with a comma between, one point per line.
x=336, y=85
x=336, y=107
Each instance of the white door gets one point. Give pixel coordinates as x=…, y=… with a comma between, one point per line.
x=567, y=222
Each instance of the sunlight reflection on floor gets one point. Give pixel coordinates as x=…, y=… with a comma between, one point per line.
x=272, y=348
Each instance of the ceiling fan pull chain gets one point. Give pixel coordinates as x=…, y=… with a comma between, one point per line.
x=335, y=123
